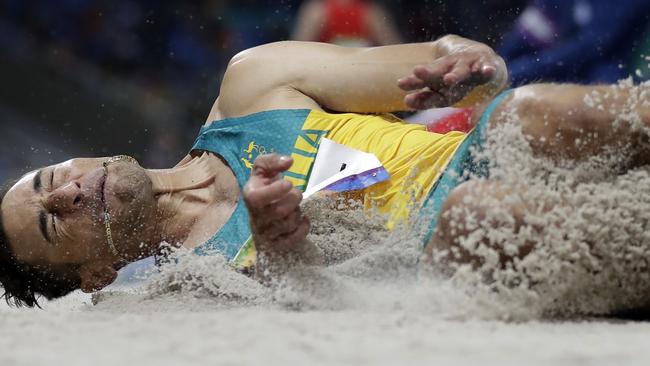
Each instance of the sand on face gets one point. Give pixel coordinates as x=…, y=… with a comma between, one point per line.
x=372, y=305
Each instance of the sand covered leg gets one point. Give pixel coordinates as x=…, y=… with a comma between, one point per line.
x=467, y=219
x=563, y=122
x=566, y=121
x=565, y=213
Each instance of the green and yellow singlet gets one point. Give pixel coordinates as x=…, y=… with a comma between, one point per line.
x=414, y=158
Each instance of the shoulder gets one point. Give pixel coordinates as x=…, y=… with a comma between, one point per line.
x=262, y=78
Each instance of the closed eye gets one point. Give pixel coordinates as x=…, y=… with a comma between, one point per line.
x=52, y=180
x=56, y=233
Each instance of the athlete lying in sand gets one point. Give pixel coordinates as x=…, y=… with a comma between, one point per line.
x=74, y=224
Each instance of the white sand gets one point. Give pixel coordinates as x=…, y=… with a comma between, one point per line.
x=369, y=310
x=100, y=336
x=372, y=307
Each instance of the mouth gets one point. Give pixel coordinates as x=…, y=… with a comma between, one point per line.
x=102, y=189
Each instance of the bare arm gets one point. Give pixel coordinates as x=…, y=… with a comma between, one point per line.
x=362, y=80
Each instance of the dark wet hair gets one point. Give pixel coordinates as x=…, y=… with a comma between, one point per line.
x=23, y=283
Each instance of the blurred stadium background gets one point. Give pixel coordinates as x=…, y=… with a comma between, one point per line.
x=104, y=77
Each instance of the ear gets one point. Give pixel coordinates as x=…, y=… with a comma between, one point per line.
x=95, y=276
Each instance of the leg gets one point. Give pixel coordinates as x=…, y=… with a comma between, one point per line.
x=561, y=122
x=472, y=210
x=575, y=122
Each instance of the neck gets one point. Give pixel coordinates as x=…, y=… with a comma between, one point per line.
x=185, y=194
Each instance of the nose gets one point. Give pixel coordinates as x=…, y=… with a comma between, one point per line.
x=64, y=199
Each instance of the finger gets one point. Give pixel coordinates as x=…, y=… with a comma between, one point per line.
x=287, y=204
x=488, y=73
x=283, y=227
x=410, y=83
x=258, y=197
x=277, y=211
x=484, y=70
x=270, y=165
x=459, y=73
x=424, y=100
x=289, y=240
x=433, y=74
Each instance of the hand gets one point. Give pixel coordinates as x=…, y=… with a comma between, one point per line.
x=449, y=78
x=277, y=224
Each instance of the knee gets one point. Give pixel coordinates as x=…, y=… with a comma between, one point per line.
x=459, y=207
x=468, y=217
x=448, y=230
x=461, y=215
x=476, y=206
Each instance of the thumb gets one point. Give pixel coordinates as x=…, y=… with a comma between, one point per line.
x=270, y=165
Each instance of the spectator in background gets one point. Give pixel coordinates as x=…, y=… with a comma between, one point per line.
x=575, y=40
x=356, y=23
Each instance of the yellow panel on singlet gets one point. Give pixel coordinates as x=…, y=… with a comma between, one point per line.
x=414, y=157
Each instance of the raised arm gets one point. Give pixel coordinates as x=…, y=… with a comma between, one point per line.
x=312, y=75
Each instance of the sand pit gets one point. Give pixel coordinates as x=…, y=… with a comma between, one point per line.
x=386, y=328
x=147, y=335
x=373, y=305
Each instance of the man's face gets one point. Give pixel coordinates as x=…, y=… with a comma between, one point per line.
x=55, y=215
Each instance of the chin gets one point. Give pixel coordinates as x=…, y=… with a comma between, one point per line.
x=130, y=200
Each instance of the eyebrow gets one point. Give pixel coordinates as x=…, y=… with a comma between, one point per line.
x=42, y=217
x=37, y=180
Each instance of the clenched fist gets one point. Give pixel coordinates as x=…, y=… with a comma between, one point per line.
x=277, y=224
